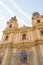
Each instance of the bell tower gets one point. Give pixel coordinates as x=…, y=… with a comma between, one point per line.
x=7, y=33
x=12, y=23
x=37, y=19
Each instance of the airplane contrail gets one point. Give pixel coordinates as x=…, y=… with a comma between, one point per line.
x=9, y=10
x=19, y=9
x=6, y=8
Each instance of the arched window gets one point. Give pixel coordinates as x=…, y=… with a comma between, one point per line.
x=10, y=26
x=23, y=36
x=23, y=57
x=38, y=21
x=42, y=32
x=6, y=37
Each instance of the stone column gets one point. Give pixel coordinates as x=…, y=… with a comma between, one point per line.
x=19, y=38
x=6, y=56
x=3, y=37
x=32, y=35
x=28, y=36
x=11, y=37
x=38, y=34
x=39, y=57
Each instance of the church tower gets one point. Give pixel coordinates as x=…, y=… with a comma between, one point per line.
x=22, y=45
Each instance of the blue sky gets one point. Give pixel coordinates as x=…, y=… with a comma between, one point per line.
x=23, y=9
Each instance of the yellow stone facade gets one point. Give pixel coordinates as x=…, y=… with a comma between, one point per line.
x=22, y=45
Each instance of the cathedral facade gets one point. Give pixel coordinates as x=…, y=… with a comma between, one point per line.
x=22, y=45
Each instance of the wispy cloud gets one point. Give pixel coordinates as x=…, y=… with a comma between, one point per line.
x=20, y=10
x=10, y=11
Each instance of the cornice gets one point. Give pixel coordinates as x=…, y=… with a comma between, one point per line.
x=15, y=30
x=35, y=17
x=36, y=26
x=23, y=44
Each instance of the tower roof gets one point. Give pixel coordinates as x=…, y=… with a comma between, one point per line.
x=36, y=13
x=14, y=18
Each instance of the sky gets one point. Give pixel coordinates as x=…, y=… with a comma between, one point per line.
x=23, y=9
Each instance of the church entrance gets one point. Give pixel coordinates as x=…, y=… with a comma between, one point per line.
x=22, y=58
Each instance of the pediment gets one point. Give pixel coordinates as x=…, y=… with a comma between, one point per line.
x=26, y=27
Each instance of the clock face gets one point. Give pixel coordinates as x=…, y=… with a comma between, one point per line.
x=23, y=57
